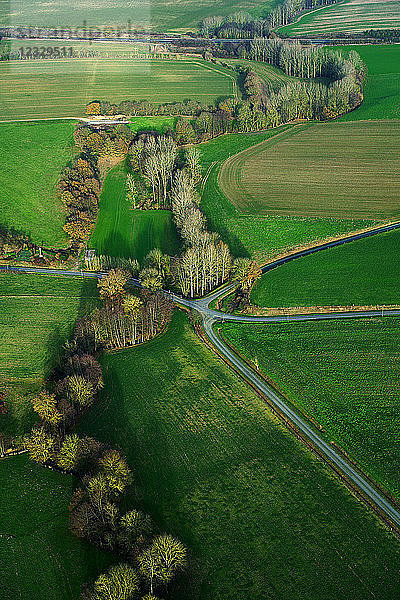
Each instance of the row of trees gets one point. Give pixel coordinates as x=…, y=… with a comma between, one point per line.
x=285, y=13
x=141, y=108
x=333, y=86
x=238, y=25
x=79, y=189
x=110, y=141
x=148, y=559
x=154, y=158
x=384, y=35
x=206, y=261
x=306, y=62
x=80, y=183
x=154, y=161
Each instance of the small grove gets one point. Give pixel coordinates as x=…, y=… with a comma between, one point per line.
x=148, y=559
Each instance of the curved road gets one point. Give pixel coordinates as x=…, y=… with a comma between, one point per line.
x=210, y=317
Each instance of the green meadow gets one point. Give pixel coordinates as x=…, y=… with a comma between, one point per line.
x=382, y=86
x=159, y=15
x=59, y=88
x=121, y=231
x=273, y=178
x=363, y=273
x=36, y=154
x=37, y=317
x=262, y=517
x=39, y=557
x=342, y=374
x=347, y=16
x=258, y=236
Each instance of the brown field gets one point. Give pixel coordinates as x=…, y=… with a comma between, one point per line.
x=59, y=88
x=341, y=170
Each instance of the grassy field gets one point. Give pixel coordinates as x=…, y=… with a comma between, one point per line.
x=258, y=236
x=36, y=154
x=262, y=518
x=37, y=316
x=273, y=77
x=160, y=124
x=363, y=273
x=157, y=14
x=39, y=557
x=350, y=16
x=345, y=375
x=382, y=86
x=351, y=171
x=58, y=88
x=121, y=231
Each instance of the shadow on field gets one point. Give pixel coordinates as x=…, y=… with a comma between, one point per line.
x=115, y=245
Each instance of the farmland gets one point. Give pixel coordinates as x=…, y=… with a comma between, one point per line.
x=362, y=273
x=36, y=154
x=61, y=88
x=382, y=86
x=37, y=316
x=121, y=231
x=344, y=375
x=215, y=468
x=259, y=236
x=348, y=16
x=273, y=77
x=157, y=14
x=273, y=178
x=40, y=559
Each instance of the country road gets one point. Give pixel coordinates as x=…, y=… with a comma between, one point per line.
x=210, y=317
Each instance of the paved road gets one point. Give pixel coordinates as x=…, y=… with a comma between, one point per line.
x=341, y=463
x=210, y=317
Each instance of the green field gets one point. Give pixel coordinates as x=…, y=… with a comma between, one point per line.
x=256, y=235
x=262, y=518
x=349, y=16
x=382, y=86
x=157, y=14
x=121, y=231
x=363, y=273
x=351, y=171
x=37, y=316
x=59, y=88
x=273, y=77
x=39, y=557
x=344, y=374
x=160, y=124
x=36, y=154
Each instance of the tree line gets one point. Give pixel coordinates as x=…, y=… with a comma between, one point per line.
x=340, y=90
x=80, y=184
x=329, y=85
x=148, y=559
x=142, y=108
